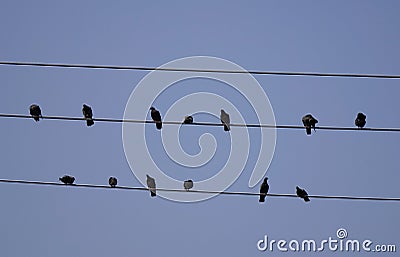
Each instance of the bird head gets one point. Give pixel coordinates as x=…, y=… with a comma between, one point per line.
x=152, y=108
x=361, y=116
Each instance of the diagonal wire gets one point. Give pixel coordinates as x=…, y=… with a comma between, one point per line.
x=253, y=72
x=43, y=183
x=20, y=116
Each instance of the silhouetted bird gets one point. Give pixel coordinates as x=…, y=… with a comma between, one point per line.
x=309, y=122
x=156, y=116
x=112, y=181
x=264, y=190
x=151, y=183
x=88, y=114
x=68, y=180
x=188, y=120
x=188, y=184
x=302, y=194
x=224, y=117
x=360, y=120
x=35, y=111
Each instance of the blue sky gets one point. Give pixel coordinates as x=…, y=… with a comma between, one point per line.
x=312, y=36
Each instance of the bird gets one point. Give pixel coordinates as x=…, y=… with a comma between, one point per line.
x=68, y=180
x=188, y=120
x=188, y=184
x=360, y=120
x=112, y=181
x=225, y=120
x=151, y=183
x=302, y=194
x=309, y=122
x=88, y=114
x=264, y=190
x=156, y=116
x=35, y=111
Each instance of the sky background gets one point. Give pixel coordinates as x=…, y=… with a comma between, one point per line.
x=357, y=36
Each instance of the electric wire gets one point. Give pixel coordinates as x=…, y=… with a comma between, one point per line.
x=21, y=116
x=253, y=72
x=44, y=183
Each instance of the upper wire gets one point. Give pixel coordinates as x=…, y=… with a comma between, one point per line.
x=253, y=72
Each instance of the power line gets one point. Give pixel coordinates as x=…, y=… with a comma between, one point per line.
x=20, y=116
x=43, y=183
x=253, y=72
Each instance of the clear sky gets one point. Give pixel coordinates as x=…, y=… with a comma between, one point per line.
x=358, y=36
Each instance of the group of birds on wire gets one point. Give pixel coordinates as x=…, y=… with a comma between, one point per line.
x=308, y=120
x=187, y=185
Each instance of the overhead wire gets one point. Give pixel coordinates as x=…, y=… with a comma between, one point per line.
x=21, y=116
x=253, y=72
x=44, y=183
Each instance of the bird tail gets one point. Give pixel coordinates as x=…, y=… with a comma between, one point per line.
x=36, y=118
x=262, y=198
x=153, y=193
x=158, y=125
x=89, y=122
x=306, y=199
x=226, y=128
x=308, y=130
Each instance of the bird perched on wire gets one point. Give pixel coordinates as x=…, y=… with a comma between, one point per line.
x=112, y=181
x=309, y=122
x=224, y=117
x=151, y=183
x=156, y=116
x=188, y=184
x=360, y=120
x=302, y=194
x=264, y=190
x=68, y=180
x=35, y=112
x=88, y=114
x=188, y=120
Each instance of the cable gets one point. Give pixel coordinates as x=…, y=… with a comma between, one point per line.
x=253, y=72
x=6, y=115
x=198, y=191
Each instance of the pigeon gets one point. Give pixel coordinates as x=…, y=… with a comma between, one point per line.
x=188, y=184
x=35, y=111
x=155, y=115
x=302, y=194
x=225, y=120
x=188, y=120
x=309, y=122
x=68, y=180
x=264, y=190
x=360, y=120
x=88, y=114
x=112, y=181
x=151, y=183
